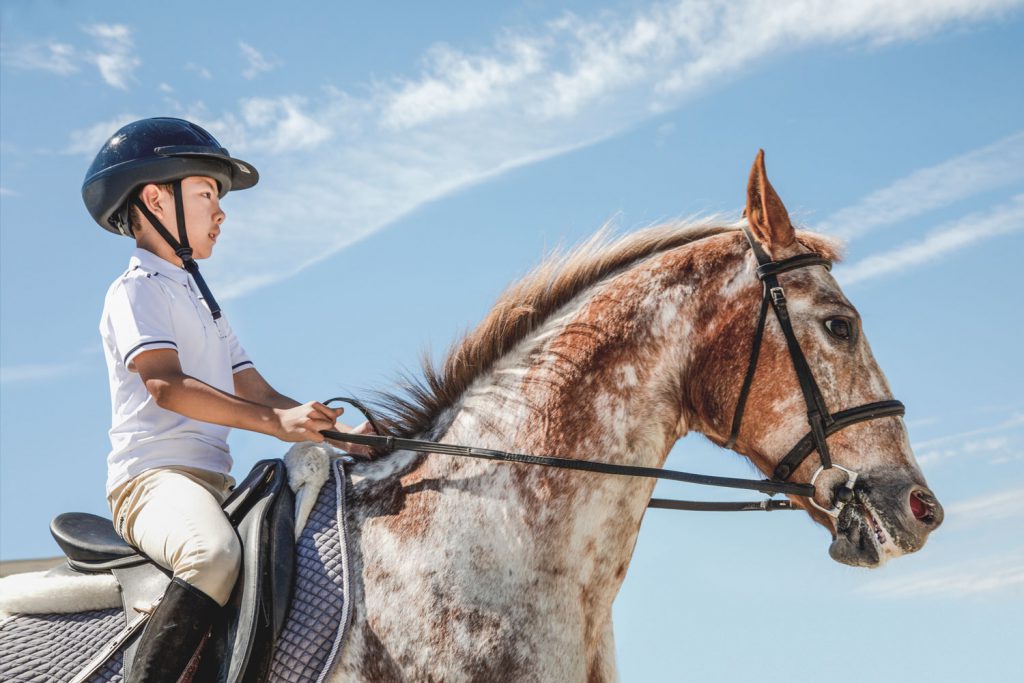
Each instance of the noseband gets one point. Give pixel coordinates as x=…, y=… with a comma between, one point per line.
x=822, y=422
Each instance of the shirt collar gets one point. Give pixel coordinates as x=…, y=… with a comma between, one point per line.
x=151, y=263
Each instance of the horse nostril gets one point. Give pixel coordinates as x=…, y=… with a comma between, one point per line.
x=923, y=505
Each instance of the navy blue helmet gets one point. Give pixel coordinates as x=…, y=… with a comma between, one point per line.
x=157, y=150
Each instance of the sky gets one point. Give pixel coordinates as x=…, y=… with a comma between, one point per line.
x=416, y=158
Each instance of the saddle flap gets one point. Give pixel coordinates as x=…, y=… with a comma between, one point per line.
x=85, y=537
x=242, y=644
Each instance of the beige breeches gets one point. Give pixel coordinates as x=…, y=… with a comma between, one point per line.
x=173, y=515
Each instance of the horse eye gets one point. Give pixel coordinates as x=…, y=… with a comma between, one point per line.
x=839, y=328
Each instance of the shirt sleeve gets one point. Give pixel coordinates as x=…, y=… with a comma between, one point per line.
x=140, y=319
x=239, y=358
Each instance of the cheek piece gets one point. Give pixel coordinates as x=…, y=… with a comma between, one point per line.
x=181, y=247
x=821, y=422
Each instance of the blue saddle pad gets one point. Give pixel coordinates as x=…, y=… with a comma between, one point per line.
x=54, y=647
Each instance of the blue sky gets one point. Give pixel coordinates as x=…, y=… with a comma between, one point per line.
x=417, y=158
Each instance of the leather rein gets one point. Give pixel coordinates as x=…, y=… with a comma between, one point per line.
x=822, y=423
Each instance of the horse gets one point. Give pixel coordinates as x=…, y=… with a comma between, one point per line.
x=474, y=570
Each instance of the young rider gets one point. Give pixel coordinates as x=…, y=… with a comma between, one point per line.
x=179, y=379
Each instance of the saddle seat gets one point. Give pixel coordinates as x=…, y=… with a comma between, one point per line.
x=261, y=509
x=88, y=539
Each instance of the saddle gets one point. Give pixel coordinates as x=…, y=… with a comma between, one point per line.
x=241, y=644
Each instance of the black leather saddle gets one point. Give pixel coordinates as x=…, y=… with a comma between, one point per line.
x=241, y=645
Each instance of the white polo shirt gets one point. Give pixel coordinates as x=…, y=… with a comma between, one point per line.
x=156, y=305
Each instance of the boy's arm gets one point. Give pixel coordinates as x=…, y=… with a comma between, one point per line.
x=249, y=384
x=172, y=389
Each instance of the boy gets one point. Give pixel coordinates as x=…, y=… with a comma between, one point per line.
x=179, y=379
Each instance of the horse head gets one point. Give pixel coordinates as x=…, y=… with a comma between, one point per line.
x=874, y=498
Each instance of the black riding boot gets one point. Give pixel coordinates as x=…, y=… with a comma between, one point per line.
x=173, y=634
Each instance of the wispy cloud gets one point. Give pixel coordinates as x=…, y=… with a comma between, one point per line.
x=1000, y=439
x=353, y=164
x=57, y=58
x=255, y=61
x=1002, y=574
x=114, y=56
x=994, y=166
x=200, y=71
x=989, y=507
x=7, y=192
x=1001, y=220
x=87, y=141
x=35, y=372
x=117, y=60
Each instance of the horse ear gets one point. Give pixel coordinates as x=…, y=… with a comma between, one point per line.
x=766, y=213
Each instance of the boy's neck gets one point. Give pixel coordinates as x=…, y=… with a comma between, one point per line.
x=153, y=243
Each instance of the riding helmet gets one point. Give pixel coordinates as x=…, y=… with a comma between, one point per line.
x=156, y=150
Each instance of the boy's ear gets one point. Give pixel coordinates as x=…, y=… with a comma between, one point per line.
x=153, y=197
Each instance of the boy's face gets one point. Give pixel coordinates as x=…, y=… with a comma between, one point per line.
x=203, y=215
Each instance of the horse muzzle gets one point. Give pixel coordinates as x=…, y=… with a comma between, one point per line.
x=884, y=518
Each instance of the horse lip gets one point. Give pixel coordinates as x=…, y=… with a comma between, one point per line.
x=860, y=536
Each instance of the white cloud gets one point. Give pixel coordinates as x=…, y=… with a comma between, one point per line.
x=35, y=372
x=1001, y=220
x=994, y=166
x=352, y=164
x=7, y=192
x=165, y=88
x=116, y=59
x=257, y=63
x=57, y=58
x=987, y=508
x=999, y=440
x=457, y=83
x=200, y=71
x=1002, y=574
x=87, y=141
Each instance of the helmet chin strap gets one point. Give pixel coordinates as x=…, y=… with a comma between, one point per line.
x=181, y=247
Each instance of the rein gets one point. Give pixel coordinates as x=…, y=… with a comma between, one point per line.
x=387, y=444
x=820, y=421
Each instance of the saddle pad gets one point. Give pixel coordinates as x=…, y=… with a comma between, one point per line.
x=46, y=648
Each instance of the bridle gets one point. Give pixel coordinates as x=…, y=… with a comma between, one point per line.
x=822, y=422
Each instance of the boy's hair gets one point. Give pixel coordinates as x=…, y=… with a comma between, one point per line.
x=134, y=215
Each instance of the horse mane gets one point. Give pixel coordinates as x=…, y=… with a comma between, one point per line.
x=522, y=308
x=413, y=409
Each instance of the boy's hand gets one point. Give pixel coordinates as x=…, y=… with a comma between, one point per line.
x=353, y=448
x=303, y=423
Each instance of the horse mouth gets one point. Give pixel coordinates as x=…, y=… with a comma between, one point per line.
x=861, y=538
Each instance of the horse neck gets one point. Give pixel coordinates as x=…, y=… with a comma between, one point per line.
x=601, y=380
